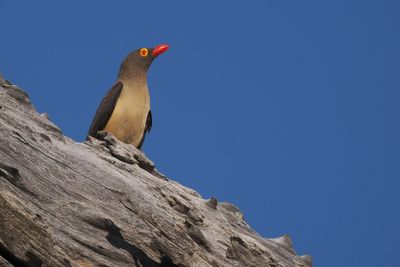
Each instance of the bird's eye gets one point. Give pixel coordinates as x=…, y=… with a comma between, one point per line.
x=144, y=52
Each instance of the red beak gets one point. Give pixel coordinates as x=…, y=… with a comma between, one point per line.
x=159, y=49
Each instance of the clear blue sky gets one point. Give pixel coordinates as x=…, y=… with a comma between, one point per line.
x=288, y=109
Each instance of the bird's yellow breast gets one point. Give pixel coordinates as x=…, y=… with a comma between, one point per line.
x=128, y=120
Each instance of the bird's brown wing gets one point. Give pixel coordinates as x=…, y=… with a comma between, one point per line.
x=105, y=109
x=149, y=123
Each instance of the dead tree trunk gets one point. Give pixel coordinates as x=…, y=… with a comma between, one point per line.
x=102, y=203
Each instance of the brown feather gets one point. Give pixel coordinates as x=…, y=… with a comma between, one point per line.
x=105, y=109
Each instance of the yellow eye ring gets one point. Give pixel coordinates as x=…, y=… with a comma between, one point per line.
x=144, y=52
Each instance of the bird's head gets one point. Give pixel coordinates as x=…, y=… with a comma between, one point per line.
x=140, y=60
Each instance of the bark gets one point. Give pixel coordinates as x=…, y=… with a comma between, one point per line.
x=103, y=203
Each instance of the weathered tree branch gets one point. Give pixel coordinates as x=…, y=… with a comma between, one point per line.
x=103, y=203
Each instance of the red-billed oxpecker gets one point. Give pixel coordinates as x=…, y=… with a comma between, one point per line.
x=125, y=110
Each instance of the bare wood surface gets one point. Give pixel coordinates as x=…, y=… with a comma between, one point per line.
x=103, y=203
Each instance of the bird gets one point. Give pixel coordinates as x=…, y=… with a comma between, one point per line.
x=125, y=110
